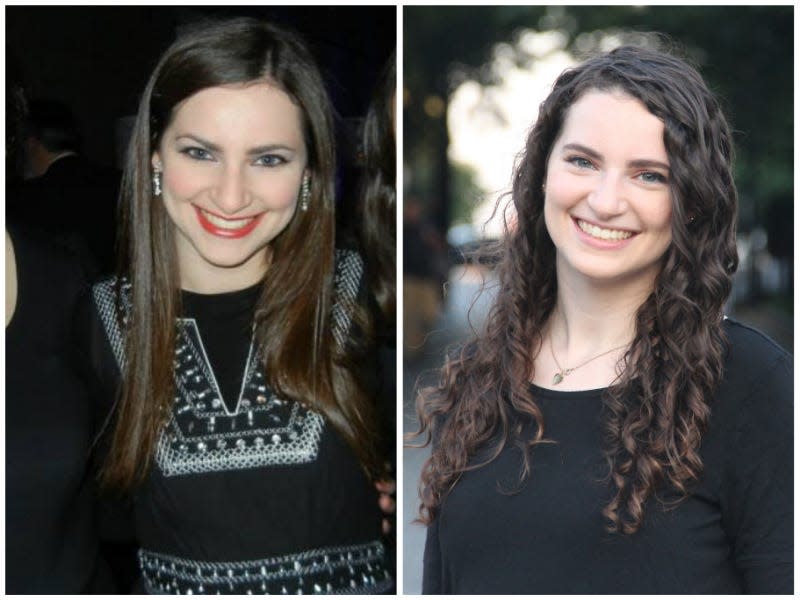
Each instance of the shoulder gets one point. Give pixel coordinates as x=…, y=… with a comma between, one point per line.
x=758, y=381
x=107, y=289
x=751, y=355
x=348, y=276
x=51, y=280
x=348, y=290
x=348, y=263
x=111, y=298
x=38, y=253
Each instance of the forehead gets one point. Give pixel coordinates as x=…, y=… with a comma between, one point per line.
x=243, y=113
x=614, y=119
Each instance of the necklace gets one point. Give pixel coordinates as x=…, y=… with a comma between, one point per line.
x=563, y=373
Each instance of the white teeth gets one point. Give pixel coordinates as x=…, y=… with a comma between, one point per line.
x=603, y=234
x=227, y=224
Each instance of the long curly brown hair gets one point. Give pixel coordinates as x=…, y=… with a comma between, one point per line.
x=656, y=412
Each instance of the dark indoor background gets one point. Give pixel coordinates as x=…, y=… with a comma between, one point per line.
x=97, y=61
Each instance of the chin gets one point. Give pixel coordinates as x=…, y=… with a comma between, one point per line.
x=230, y=260
x=598, y=270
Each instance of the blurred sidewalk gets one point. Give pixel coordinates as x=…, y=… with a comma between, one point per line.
x=451, y=328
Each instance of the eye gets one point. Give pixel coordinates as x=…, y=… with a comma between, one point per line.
x=652, y=177
x=580, y=162
x=197, y=153
x=270, y=160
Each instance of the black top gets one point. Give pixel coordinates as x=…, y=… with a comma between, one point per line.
x=51, y=538
x=74, y=201
x=733, y=534
x=249, y=491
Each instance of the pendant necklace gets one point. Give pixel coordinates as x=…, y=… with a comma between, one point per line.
x=563, y=373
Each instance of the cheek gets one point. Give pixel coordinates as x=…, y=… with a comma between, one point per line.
x=659, y=216
x=276, y=190
x=561, y=194
x=182, y=181
x=563, y=189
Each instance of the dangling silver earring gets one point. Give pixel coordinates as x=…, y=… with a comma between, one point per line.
x=305, y=193
x=156, y=182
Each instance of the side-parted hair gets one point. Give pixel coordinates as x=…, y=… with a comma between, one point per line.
x=293, y=314
x=656, y=411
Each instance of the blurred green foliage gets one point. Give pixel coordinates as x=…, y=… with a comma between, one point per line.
x=465, y=195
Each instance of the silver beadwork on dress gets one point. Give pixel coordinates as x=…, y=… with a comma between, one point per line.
x=105, y=297
x=352, y=569
x=346, y=281
x=202, y=435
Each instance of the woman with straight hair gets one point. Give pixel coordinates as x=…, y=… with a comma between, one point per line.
x=242, y=430
x=610, y=430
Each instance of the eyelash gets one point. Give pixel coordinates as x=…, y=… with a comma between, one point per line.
x=580, y=162
x=275, y=160
x=657, y=177
x=201, y=154
x=198, y=154
x=584, y=163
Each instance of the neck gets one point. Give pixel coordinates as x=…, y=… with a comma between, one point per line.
x=205, y=278
x=590, y=318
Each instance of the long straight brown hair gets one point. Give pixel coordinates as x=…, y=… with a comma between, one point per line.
x=293, y=315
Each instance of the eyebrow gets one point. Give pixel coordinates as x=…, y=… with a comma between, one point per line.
x=637, y=163
x=257, y=150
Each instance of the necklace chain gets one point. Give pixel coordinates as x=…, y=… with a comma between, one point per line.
x=563, y=373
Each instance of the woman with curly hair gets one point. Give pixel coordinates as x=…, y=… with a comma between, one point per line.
x=610, y=430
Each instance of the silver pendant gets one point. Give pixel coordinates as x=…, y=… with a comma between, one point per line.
x=557, y=378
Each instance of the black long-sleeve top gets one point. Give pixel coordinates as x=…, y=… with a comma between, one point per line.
x=733, y=534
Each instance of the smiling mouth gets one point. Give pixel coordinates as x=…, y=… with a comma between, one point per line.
x=602, y=233
x=227, y=228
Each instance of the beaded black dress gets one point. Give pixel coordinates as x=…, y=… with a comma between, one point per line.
x=250, y=492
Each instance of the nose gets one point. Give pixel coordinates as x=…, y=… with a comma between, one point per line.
x=607, y=199
x=231, y=193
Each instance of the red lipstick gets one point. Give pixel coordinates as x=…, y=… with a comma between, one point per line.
x=222, y=232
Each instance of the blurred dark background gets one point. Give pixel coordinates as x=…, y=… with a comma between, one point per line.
x=96, y=61
x=745, y=53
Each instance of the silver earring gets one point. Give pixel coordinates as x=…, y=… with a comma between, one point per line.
x=156, y=182
x=305, y=193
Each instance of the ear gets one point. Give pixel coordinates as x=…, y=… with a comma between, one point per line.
x=155, y=161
